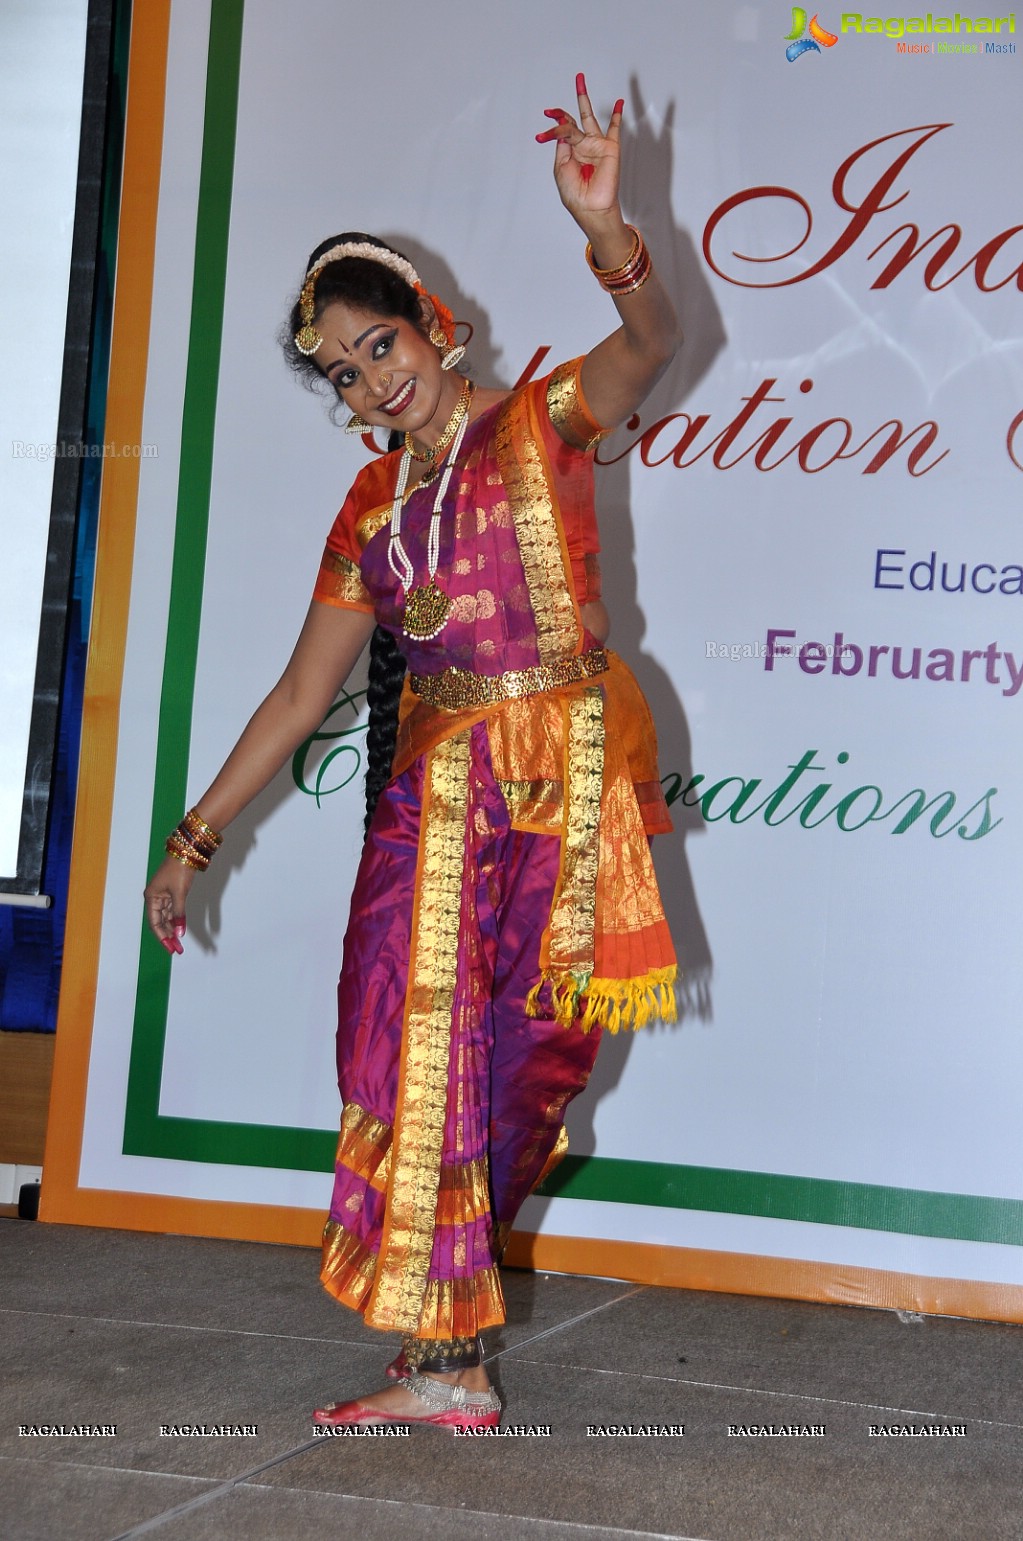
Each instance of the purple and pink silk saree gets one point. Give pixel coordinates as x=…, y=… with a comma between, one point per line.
x=506, y=909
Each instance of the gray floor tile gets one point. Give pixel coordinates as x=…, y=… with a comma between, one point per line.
x=210, y=1285
x=139, y=1378
x=187, y=1281
x=966, y=1370
x=262, y=1514
x=84, y=1503
x=842, y=1487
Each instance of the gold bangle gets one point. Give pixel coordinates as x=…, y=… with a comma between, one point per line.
x=185, y=843
x=197, y=825
x=186, y=858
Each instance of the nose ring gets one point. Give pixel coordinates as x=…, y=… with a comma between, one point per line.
x=385, y=381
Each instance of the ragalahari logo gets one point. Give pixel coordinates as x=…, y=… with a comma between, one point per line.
x=798, y=44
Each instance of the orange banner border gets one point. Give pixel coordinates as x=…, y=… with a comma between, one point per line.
x=115, y=550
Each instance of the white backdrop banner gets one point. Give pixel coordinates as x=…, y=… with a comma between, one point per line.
x=812, y=557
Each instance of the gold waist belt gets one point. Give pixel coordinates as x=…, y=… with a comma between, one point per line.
x=454, y=689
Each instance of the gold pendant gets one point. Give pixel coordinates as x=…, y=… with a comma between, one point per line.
x=426, y=612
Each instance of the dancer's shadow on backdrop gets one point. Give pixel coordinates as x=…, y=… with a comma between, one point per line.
x=647, y=197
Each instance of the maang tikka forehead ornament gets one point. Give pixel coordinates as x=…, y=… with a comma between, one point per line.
x=307, y=338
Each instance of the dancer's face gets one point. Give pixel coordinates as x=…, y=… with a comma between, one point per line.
x=386, y=369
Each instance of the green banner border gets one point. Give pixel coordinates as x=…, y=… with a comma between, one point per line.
x=812, y=1200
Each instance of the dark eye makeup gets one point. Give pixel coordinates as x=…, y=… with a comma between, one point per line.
x=381, y=346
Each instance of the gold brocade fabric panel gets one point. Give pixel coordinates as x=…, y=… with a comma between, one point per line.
x=527, y=745
x=463, y=1193
x=568, y=409
x=528, y=481
x=340, y=583
x=628, y=882
x=371, y=523
x=461, y=1308
x=348, y=1266
x=364, y=1146
x=400, y=1288
x=537, y=806
x=527, y=752
x=567, y=955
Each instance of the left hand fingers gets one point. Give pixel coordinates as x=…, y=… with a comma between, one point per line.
x=566, y=128
x=567, y=131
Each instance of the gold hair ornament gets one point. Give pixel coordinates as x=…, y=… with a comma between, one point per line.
x=307, y=338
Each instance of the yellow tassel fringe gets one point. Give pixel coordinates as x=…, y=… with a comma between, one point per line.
x=613, y=1003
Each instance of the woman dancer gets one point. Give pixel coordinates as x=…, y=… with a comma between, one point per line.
x=505, y=909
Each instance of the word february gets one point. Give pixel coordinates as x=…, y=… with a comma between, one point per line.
x=845, y=660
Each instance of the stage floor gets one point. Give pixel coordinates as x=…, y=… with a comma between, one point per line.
x=101, y=1328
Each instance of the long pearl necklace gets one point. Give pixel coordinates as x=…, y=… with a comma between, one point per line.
x=427, y=607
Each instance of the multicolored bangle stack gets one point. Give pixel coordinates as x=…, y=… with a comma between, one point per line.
x=193, y=843
x=632, y=274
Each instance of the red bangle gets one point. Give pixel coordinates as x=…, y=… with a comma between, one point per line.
x=630, y=275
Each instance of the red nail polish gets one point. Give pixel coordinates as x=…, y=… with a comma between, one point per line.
x=165, y=941
x=580, y=85
x=620, y=105
x=586, y=172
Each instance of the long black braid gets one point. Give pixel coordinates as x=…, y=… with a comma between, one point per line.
x=383, y=693
x=373, y=287
x=386, y=676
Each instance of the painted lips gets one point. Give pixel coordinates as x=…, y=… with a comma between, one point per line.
x=402, y=398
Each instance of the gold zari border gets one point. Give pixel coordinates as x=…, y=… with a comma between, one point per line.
x=370, y=524
x=460, y=1308
x=538, y=805
x=340, y=582
x=364, y=1146
x=347, y=1267
x=570, y=941
x=520, y=460
x=463, y=1193
x=568, y=411
x=402, y=1279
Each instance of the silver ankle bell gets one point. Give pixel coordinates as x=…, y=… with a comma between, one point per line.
x=441, y=1398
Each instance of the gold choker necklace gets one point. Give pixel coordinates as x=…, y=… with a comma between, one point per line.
x=447, y=433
